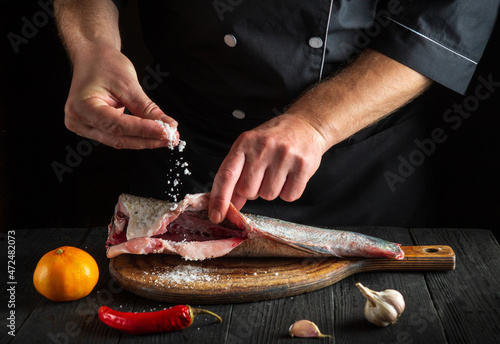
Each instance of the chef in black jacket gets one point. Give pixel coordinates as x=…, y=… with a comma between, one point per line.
x=317, y=112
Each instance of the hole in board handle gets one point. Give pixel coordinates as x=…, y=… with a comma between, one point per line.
x=432, y=249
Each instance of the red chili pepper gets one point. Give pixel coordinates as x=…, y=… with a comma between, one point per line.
x=171, y=319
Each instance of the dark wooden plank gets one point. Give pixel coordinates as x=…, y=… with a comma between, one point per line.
x=77, y=321
x=468, y=298
x=338, y=310
x=268, y=321
x=28, y=252
x=416, y=324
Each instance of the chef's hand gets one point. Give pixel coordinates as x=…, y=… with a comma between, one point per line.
x=276, y=159
x=104, y=83
x=280, y=156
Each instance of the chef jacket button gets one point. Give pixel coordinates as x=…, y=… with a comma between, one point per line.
x=315, y=42
x=230, y=40
x=238, y=114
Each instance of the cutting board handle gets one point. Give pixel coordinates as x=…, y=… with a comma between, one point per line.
x=427, y=257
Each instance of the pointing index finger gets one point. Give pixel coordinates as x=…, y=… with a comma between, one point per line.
x=223, y=187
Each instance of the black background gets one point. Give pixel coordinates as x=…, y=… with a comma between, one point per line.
x=34, y=85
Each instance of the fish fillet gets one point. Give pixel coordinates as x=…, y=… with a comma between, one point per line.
x=144, y=225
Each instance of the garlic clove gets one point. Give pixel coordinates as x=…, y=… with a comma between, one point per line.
x=382, y=308
x=380, y=316
x=305, y=329
x=395, y=298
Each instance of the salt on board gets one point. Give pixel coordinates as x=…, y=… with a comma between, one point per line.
x=183, y=275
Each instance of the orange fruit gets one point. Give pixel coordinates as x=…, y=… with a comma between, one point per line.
x=66, y=274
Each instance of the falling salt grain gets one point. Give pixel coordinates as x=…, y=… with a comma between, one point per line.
x=182, y=145
x=171, y=135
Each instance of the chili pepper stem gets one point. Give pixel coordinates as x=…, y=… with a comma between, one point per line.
x=196, y=311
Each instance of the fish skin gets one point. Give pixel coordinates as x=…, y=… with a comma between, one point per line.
x=263, y=236
x=321, y=241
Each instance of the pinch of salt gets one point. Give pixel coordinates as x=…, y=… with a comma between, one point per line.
x=170, y=133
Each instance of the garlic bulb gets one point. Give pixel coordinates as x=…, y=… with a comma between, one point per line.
x=382, y=308
x=305, y=329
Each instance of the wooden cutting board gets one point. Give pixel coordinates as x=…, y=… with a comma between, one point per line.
x=232, y=280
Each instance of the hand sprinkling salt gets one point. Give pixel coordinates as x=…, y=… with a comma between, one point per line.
x=171, y=135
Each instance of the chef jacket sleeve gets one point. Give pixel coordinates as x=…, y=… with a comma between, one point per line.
x=441, y=39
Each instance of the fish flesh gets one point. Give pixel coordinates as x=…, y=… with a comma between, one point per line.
x=145, y=225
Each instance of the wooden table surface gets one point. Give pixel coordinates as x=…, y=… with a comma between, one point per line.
x=460, y=306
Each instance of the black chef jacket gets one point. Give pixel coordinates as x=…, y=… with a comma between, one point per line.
x=235, y=64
